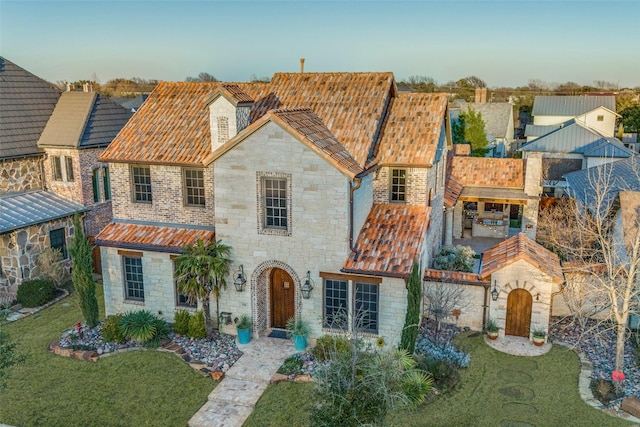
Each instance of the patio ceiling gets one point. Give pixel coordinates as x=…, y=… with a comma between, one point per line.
x=497, y=195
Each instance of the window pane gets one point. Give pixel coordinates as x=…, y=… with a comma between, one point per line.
x=194, y=187
x=366, y=307
x=69, y=165
x=95, y=181
x=58, y=242
x=106, y=183
x=57, y=168
x=275, y=191
x=141, y=184
x=134, y=285
x=335, y=304
x=398, y=185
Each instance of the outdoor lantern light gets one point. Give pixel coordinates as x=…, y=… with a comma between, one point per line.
x=240, y=280
x=495, y=292
x=307, y=286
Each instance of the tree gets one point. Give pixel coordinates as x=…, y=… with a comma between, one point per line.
x=51, y=268
x=202, y=77
x=631, y=119
x=457, y=129
x=412, y=318
x=474, y=133
x=82, y=273
x=201, y=270
x=600, y=257
x=8, y=356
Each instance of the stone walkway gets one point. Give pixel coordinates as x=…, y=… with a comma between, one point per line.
x=517, y=346
x=231, y=402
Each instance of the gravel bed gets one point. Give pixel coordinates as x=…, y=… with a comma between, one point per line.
x=597, y=343
x=218, y=354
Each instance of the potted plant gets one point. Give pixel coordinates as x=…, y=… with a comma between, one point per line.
x=539, y=336
x=298, y=329
x=243, y=326
x=492, y=329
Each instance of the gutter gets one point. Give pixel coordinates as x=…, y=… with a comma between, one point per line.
x=352, y=190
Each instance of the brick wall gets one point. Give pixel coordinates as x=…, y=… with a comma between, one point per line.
x=20, y=174
x=167, y=195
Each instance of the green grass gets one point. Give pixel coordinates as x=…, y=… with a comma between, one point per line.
x=139, y=388
x=496, y=389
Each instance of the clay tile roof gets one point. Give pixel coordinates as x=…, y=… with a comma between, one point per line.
x=461, y=149
x=433, y=275
x=158, y=238
x=412, y=130
x=234, y=92
x=488, y=171
x=172, y=125
x=307, y=126
x=520, y=247
x=351, y=105
x=452, y=190
x=390, y=240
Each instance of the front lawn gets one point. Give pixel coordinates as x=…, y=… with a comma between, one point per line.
x=136, y=388
x=496, y=389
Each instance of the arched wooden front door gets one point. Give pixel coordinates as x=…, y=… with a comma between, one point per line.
x=518, y=322
x=282, y=298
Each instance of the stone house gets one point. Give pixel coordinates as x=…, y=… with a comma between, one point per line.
x=328, y=182
x=36, y=204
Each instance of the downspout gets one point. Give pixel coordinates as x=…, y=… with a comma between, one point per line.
x=352, y=190
x=485, y=306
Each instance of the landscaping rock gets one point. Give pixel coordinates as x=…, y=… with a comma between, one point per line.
x=278, y=378
x=217, y=375
x=631, y=404
x=304, y=378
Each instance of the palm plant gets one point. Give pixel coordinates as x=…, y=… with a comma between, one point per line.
x=201, y=270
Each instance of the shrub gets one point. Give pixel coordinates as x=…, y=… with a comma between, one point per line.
x=454, y=258
x=329, y=345
x=603, y=390
x=444, y=374
x=51, y=266
x=293, y=365
x=111, y=330
x=181, y=322
x=196, y=326
x=34, y=293
x=143, y=326
x=446, y=352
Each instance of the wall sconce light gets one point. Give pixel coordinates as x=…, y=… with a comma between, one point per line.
x=240, y=280
x=495, y=293
x=538, y=296
x=307, y=286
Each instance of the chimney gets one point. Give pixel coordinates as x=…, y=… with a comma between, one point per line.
x=301, y=65
x=481, y=95
x=87, y=87
x=69, y=87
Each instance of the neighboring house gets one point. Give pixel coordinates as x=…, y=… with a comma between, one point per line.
x=499, y=124
x=42, y=184
x=131, y=104
x=334, y=180
x=486, y=197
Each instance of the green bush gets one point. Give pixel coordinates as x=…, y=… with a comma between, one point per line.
x=196, y=326
x=34, y=293
x=111, y=331
x=445, y=374
x=144, y=326
x=329, y=345
x=293, y=365
x=181, y=322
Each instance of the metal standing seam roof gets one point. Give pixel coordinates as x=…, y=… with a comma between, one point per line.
x=390, y=240
x=19, y=210
x=521, y=247
x=571, y=106
x=160, y=238
x=540, y=130
x=573, y=136
x=26, y=103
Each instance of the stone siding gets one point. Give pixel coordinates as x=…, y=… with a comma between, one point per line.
x=167, y=194
x=471, y=304
x=222, y=108
x=20, y=174
x=19, y=251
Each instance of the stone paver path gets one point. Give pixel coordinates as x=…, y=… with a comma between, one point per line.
x=517, y=346
x=231, y=402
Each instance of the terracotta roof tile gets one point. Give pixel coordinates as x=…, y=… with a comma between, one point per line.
x=488, y=171
x=452, y=276
x=152, y=237
x=389, y=241
x=461, y=149
x=412, y=129
x=452, y=190
x=171, y=126
x=520, y=247
x=234, y=92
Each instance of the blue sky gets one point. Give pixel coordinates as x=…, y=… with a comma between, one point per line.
x=503, y=42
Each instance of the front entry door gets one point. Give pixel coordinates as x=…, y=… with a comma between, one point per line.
x=518, y=322
x=282, y=298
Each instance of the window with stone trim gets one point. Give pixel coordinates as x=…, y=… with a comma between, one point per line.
x=68, y=161
x=56, y=167
x=141, y=181
x=58, y=241
x=106, y=183
x=101, y=176
x=274, y=203
x=133, y=278
x=335, y=304
x=398, y=186
x=194, y=187
x=366, y=307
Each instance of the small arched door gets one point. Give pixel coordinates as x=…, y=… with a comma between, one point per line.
x=519, y=304
x=282, y=298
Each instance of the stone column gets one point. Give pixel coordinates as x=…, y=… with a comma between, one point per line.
x=448, y=226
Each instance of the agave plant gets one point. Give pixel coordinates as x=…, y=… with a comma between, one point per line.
x=144, y=326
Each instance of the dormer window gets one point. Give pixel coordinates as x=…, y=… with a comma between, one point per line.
x=62, y=168
x=398, y=191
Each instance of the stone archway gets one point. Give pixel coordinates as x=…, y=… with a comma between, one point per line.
x=261, y=293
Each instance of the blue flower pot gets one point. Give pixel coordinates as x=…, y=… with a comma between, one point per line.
x=300, y=342
x=244, y=336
